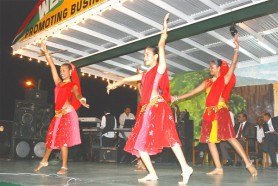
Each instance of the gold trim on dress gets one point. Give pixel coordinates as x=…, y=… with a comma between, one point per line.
x=216, y=108
x=61, y=112
x=153, y=102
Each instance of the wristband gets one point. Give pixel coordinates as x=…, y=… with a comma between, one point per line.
x=83, y=99
x=176, y=98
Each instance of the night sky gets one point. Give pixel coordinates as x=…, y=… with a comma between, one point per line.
x=15, y=71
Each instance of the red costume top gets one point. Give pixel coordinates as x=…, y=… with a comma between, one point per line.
x=65, y=92
x=148, y=82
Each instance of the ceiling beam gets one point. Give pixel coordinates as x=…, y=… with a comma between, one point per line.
x=184, y=31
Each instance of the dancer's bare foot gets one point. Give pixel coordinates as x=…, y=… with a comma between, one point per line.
x=63, y=170
x=252, y=169
x=41, y=165
x=186, y=176
x=149, y=177
x=216, y=171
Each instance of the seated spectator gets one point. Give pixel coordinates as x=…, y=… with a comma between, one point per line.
x=201, y=147
x=243, y=130
x=260, y=136
x=271, y=136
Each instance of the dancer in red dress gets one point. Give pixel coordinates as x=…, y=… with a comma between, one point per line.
x=155, y=127
x=217, y=124
x=63, y=131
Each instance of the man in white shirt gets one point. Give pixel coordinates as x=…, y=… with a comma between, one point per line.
x=260, y=136
x=243, y=131
x=124, y=135
x=108, y=123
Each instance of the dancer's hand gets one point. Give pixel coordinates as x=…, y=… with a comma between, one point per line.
x=174, y=99
x=138, y=69
x=110, y=86
x=43, y=48
x=165, y=24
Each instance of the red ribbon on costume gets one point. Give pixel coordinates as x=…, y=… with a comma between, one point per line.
x=75, y=79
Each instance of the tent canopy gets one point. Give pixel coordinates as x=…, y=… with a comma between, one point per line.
x=107, y=38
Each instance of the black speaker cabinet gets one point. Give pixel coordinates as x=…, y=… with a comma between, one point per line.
x=108, y=154
x=44, y=114
x=6, y=133
x=24, y=148
x=32, y=119
x=25, y=119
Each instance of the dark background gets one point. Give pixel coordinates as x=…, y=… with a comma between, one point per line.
x=14, y=71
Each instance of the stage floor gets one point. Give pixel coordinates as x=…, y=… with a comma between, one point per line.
x=105, y=174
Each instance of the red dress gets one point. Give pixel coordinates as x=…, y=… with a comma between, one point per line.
x=155, y=127
x=64, y=130
x=217, y=124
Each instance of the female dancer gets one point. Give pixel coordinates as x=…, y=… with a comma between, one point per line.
x=155, y=127
x=63, y=131
x=217, y=124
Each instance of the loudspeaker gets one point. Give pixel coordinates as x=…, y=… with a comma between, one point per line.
x=25, y=119
x=36, y=95
x=108, y=154
x=6, y=133
x=25, y=148
x=32, y=119
x=185, y=129
x=44, y=114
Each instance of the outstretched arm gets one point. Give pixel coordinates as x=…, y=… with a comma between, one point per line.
x=161, y=46
x=198, y=89
x=54, y=72
x=113, y=86
x=139, y=87
x=229, y=74
x=79, y=97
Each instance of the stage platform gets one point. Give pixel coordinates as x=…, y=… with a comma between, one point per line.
x=20, y=172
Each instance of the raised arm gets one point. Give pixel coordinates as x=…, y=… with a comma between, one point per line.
x=54, y=72
x=198, y=89
x=229, y=74
x=113, y=86
x=161, y=46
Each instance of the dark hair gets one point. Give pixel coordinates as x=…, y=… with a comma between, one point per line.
x=266, y=114
x=154, y=50
x=67, y=65
x=218, y=62
x=244, y=114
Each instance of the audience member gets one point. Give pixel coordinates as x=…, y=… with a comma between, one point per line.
x=260, y=136
x=271, y=136
x=243, y=130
